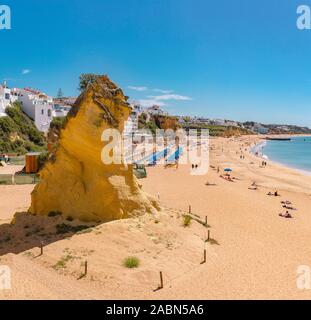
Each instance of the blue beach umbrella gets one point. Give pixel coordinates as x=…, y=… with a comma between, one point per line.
x=228, y=170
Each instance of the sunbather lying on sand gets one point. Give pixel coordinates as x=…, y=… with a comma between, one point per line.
x=285, y=215
x=226, y=178
x=286, y=202
x=289, y=207
x=210, y=184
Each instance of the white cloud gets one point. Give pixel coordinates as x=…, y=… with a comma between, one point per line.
x=163, y=91
x=165, y=97
x=25, y=71
x=137, y=88
x=150, y=102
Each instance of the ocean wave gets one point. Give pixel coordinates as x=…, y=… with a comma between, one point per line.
x=258, y=148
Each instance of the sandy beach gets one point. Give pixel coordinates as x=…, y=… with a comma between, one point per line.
x=254, y=253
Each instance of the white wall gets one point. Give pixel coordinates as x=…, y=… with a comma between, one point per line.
x=43, y=116
x=5, y=97
x=40, y=110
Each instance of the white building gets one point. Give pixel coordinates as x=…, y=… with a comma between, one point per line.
x=60, y=111
x=156, y=110
x=260, y=129
x=6, y=98
x=218, y=122
x=38, y=106
x=131, y=125
x=230, y=123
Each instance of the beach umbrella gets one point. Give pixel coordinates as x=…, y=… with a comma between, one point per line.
x=228, y=170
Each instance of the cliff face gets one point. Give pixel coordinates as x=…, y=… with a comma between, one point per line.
x=76, y=182
x=167, y=122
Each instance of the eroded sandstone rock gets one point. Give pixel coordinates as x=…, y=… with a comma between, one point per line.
x=76, y=182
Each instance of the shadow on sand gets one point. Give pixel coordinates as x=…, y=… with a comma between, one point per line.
x=28, y=231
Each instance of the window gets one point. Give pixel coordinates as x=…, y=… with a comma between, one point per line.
x=49, y=113
x=7, y=96
x=42, y=111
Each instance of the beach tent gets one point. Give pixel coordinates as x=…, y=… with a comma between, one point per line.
x=228, y=170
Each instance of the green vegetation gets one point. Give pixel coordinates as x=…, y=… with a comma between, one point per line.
x=131, y=262
x=58, y=123
x=54, y=214
x=217, y=130
x=60, y=94
x=154, y=122
x=151, y=125
x=142, y=120
x=61, y=264
x=6, y=239
x=187, y=220
x=148, y=125
x=86, y=79
x=66, y=228
x=18, y=133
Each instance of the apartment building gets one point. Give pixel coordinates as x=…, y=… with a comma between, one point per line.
x=6, y=98
x=37, y=105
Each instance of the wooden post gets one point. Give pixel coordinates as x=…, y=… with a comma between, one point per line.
x=85, y=268
x=208, y=235
x=161, y=286
x=161, y=281
x=41, y=248
x=204, y=258
x=206, y=221
x=85, y=271
x=190, y=209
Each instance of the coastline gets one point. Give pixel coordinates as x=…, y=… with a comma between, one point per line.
x=266, y=157
x=253, y=239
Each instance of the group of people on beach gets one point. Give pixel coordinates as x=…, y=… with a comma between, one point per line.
x=287, y=205
x=276, y=194
x=227, y=177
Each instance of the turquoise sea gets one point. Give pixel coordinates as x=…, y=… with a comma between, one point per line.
x=295, y=153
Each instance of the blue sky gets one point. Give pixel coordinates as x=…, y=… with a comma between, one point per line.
x=242, y=59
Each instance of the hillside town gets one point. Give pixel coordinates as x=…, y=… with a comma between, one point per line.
x=42, y=109
x=38, y=106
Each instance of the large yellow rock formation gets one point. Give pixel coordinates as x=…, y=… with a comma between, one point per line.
x=76, y=182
